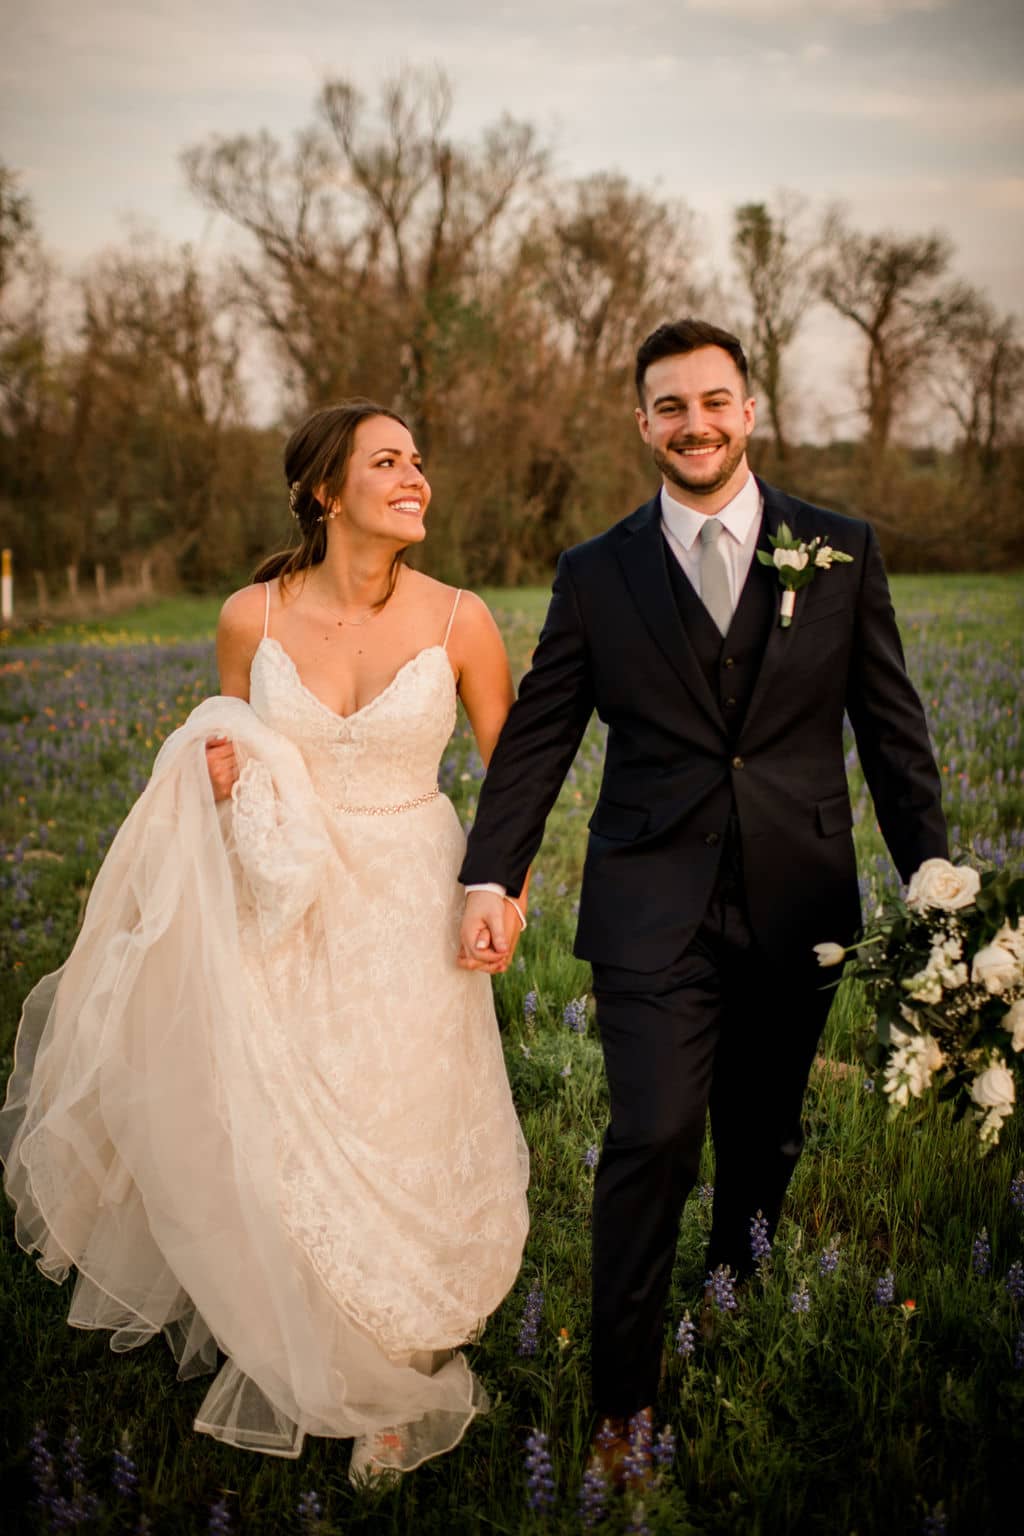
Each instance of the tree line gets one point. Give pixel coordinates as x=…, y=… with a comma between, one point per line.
x=499, y=309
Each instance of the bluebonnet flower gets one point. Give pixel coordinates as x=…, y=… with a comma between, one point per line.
x=665, y=1449
x=828, y=1258
x=310, y=1511
x=636, y=1468
x=530, y=1005
x=686, y=1337
x=1014, y=1281
x=540, y=1484
x=721, y=1284
x=73, y=1463
x=935, y=1522
x=800, y=1299
x=760, y=1242
x=868, y=1085
x=591, y=1156
x=981, y=1253
x=1017, y=1191
x=220, y=1519
x=574, y=1015
x=125, y=1476
x=44, y=1473
x=532, y=1309
x=706, y=1193
x=1018, y=1352
x=885, y=1289
x=593, y=1495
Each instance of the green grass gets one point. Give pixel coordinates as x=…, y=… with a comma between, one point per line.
x=850, y=1418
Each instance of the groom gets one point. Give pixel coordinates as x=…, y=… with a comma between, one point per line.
x=720, y=847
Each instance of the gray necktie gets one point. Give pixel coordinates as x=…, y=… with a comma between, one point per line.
x=714, y=574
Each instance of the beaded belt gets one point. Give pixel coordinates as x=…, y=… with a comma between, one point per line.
x=389, y=810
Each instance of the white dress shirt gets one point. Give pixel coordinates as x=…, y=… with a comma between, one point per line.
x=741, y=519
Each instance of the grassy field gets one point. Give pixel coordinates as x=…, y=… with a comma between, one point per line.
x=852, y=1416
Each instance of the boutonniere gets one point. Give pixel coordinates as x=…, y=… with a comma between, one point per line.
x=797, y=564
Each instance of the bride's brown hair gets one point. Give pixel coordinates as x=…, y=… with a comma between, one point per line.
x=316, y=457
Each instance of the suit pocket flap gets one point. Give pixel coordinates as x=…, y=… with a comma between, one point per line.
x=619, y=822
x=834, y=815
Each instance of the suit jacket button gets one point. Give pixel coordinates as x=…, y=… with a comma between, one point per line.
x=737, y=762
x=711, y=839
x=730, y=703
x=729, y=662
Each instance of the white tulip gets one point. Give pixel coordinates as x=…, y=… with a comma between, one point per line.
x=829, y=954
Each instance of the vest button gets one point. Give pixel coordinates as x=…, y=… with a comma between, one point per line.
x=712, y=839
x=729, y=661
x=737, y=762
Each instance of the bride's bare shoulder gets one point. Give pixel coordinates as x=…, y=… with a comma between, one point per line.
x=242, y=617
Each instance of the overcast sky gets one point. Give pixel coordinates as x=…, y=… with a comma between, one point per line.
x=909, y=111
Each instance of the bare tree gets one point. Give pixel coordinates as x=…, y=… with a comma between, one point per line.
x=979, y=378
x=775, y=257
x=893, y=291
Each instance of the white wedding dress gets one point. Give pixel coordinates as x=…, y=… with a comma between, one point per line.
x=261, y=1108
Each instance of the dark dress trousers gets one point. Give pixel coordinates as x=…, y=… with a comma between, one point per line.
x=720, y=852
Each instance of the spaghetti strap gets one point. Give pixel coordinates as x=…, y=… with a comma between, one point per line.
x=266, y=616
x=451, y=619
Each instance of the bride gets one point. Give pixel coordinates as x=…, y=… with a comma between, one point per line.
x=261, y=1108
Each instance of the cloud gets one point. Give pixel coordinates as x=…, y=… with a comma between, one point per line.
x=817, y=10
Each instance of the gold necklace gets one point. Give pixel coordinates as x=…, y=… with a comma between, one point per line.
x=356, y=623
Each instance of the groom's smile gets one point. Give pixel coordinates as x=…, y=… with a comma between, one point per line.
x=696, y=419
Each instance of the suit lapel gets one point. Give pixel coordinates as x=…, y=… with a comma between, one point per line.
x=642, y=556
x=780, y=641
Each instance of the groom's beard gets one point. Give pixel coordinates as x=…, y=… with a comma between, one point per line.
x=700, y=483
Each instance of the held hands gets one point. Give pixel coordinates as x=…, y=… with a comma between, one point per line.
x=490, y=933
x=222, y=766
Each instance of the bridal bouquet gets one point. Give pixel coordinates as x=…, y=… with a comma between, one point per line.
x=943, y=970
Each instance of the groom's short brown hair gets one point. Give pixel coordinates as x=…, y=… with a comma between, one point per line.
x=686, y=336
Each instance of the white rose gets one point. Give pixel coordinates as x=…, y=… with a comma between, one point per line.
x=994, y=1087
x=995, y=968
x=797, y=558
x=1013, y=1020
x=829, y=954
x=938, y=883
x=823, y=557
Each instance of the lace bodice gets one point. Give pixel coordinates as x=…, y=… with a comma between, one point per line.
x=385, y=754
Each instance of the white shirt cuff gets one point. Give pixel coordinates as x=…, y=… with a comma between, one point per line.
x=495, y=890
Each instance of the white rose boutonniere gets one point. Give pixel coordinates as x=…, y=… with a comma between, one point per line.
x=797, y=564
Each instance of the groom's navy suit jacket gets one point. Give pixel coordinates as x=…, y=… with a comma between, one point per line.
x=681, y=773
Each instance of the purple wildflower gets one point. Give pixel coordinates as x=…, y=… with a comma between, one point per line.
x=686, y=1337
x=310, y=1511
x=44, y=1473
x=828, y=1258
x=1014, y=1281
x=540, y=1484
x=532, y=1309
x=530, y=1005
x=590, y=1156
x=706, y=1193
x=800, y=1299
x=638, y=1522
x=574, y=1015
x=220, y=1519
x=935, y=1522
x=868, y=1085
x=125, y=1476
x=722, y=1286
x=981, y=1254
x=1017, y=1191
x=593, y=1495
x=885, y=1289
x=636, y=1467
x=665, y=1449
x=1018, y=1352
x=760, y=1242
